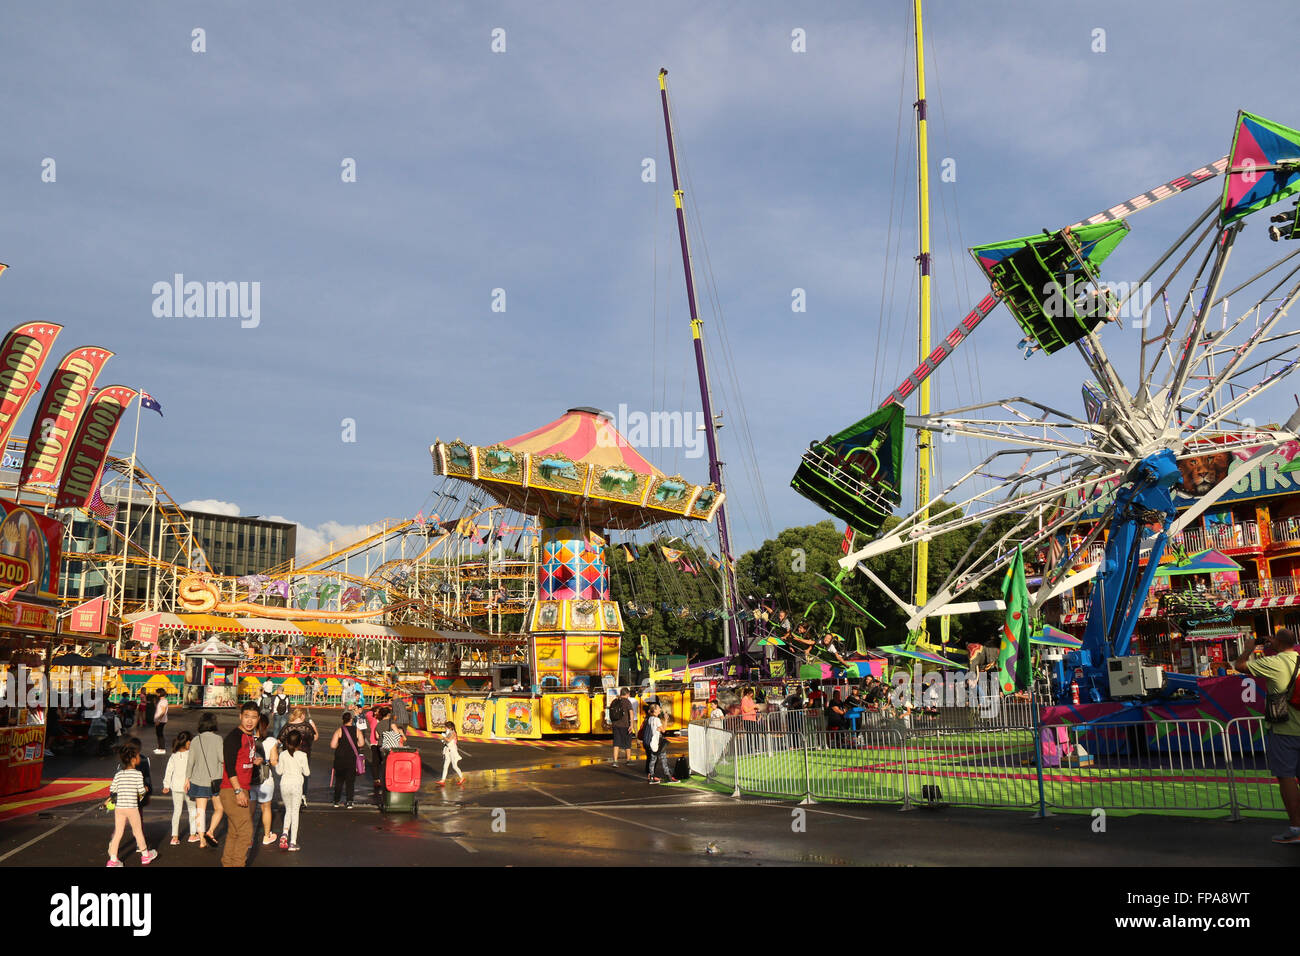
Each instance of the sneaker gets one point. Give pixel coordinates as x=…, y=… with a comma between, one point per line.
x=613, y=765
x=1289, y=835
x=147, y=857
x=269, y=839
x=337, y=805
x=176, y=841
x=294, y=848
x=349, y=806
x=653, y=780
x=284, y=843
x=114, y=863
x=160, y=751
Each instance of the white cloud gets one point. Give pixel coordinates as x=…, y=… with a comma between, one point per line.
x=213, y=506
x=312, y=542
x=320, y=540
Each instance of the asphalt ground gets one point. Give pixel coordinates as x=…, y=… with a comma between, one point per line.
x=564, y=805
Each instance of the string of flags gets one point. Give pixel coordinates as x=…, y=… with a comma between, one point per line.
x=352, y=596
x=675, y=556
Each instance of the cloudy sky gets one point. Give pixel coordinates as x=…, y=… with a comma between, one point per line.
x=522, y=170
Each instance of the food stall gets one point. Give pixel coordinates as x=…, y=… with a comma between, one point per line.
x=29, y=561
x=212, y=675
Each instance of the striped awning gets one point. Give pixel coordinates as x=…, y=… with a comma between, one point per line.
x=317, y=630
x=1277, y=600
x=1082, y=616
x=1244, y=604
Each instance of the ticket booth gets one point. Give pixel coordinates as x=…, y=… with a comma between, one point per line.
x=212, y=675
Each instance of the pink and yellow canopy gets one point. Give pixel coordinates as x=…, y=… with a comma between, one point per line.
x=578, y=469
x=582, y=434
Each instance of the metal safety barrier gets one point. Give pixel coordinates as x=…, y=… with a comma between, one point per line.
x=1187, y=765
x=1245, y=750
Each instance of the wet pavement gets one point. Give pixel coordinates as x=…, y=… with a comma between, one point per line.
x=562, y=806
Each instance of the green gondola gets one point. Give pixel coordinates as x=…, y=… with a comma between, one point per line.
x=1051, y=283
x=855, y=474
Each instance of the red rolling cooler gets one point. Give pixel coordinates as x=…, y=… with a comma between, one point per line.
x=402, y=781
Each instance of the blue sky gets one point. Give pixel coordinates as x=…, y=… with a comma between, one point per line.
x=522, y=171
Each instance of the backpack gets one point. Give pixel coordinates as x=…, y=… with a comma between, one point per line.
x=1277, y=707
x=282, y=705
x=617, y=710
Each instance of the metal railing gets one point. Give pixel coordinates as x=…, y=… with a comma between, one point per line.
x=1285, y=531
x=1188, y=765
x=1244, y=534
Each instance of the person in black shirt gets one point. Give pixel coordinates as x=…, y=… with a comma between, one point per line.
x=835, y=719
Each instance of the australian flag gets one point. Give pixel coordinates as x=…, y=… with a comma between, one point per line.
x=148, y=401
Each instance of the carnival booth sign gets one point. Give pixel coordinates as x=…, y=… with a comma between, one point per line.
x=566, y=714
x=474, y=717
x=437, y=711
x=32, y=617
x=30, y=547
x=516, y=717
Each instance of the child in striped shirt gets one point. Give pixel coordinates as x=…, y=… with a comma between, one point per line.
x=128, y=789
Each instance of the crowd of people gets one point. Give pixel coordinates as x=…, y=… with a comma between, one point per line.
x=236, y=776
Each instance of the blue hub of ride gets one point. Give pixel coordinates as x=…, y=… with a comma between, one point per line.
x=1144, y=500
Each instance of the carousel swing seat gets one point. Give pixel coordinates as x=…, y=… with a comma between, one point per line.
x=855, y=475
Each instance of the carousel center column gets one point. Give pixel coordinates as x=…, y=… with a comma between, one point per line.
x=576, y=627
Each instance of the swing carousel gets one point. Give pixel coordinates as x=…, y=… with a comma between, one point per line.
x=574, y=480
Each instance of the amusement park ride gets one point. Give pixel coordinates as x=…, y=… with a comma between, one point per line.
x=479, y=610
x=505, y=581
x=1201, y=367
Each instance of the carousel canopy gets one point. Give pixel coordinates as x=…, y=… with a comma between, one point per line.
x=577, y=468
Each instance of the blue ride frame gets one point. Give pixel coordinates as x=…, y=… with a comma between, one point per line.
x=1122, y=583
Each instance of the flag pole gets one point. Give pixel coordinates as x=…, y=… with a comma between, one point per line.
x=126, y=524
x=1042, y=813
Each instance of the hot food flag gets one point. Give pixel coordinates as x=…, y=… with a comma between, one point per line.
x=88, y=617
x=63, y=403
x=89, y=450
x=146, y=629
x=22, y=354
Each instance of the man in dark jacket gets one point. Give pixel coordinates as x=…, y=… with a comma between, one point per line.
x=620, y=722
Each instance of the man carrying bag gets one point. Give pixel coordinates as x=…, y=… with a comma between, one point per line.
x=1278, y=671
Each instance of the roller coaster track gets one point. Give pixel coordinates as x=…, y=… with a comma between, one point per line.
x=179, y=552
x=174, y=519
